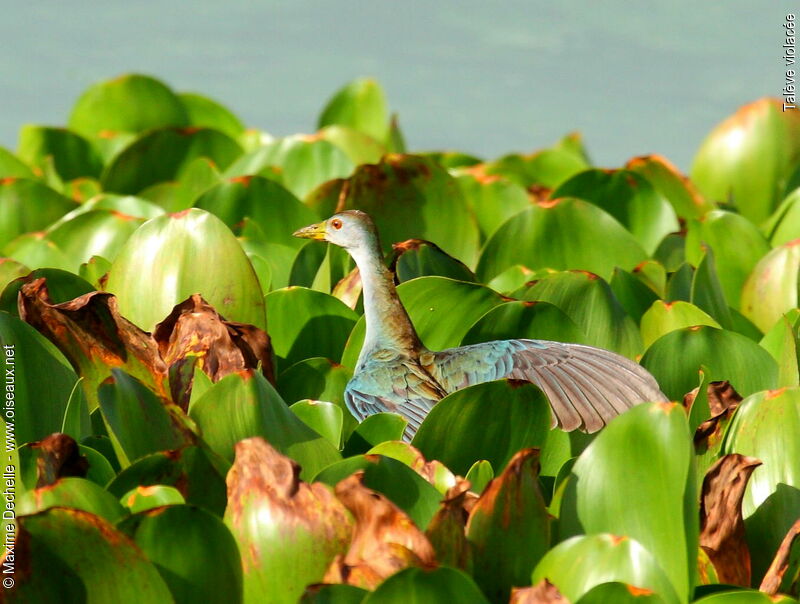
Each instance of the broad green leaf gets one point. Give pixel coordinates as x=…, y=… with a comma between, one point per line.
x=629, y=198
x=28, y=205
x=418, y=258
x=679, y=285
x=520, y=319
x=456, y=431
x=324, y=418
x=75, y=556
x=504, y=558
x=335, y=593
x=243, y=405
x=588, y=300
x=634, y=294
x=360, y=105
x=744, y=596
x=620, y=593
x=765, y=426
x=402, y=485
x=546, y=168
x=737, y=244
x=288, y=531
x=480, y=475
x=318, y=379
x=193, y=550
x=671, y=252
x=304, y=323
x=449, y=159
x=663, y=317
x=407, y=196
x=784, y=224
x=511, y=279
x=746, y=159
x=772, y=288
x=142, y=499
x=203, y=112
x=94, y=233
x=442, y=311
x=129, y=103
x=195, y=472
x=41, y=381
x=578, y=564
x=422, y=586
x=374, y=430
x=72, y=155
x=492, y=198
x=198, y=176
x=75, y=493
x=675, y=358
x=359, y=147
x=157, y=269
x=671, y=184
x=560, y=234
x=163, y=155
x=100, y=471
x=647, y=454
x=305, y=162
x=13, y=167
x=138, y=421
x=128, y=205
x=35, y=251
x=782, y=343
x=94, y=270
x=11, y=270
x=434, y=471
x=706, y=292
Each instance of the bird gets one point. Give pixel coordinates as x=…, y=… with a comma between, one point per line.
x=586, y=386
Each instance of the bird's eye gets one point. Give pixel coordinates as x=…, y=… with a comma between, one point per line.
x=336, y=223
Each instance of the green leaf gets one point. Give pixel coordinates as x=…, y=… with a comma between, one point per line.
x=194, y=471
x=504, y=558
x=782, y=227
x=629, y=198
x=456, y=431
x=324, y=418
x=706, y=292
x=304, y=323
x=75, y=493
x=71, y=554
x=359, y=147
x=675, y=358
x=305, y=162
x=28, y=205
x=519, y=319
x=619, y=593
x=374, y=430
x=647, y=454
x=100, y=471
x=664, y=317
x=782, y=343
x=333, y=594
x=243, y=405
x=193, y=550
x=672, y=185
x=737, y=244
x=421, y=586
x=434, y=471
x=492, y=198
x=203, y=112
x=546, y=168
x=560, y=234
x=772, y=288
x=744, y=596
x=72, y=155
x=479, y=475
x=42, y=381
x=360, y=105
x=406, y=196
x=163, y=155
x=402, y=485
x=35, y=251
x=11, y=270
x=199, y=175
x=746, y=158
x=167, y=273
x=13, y=167
x=765, y=426
x=634, y=294
x=578, y=564
x=129, y=103
x=417, y=258
x=94, y=271
x=590, y=303
x=142, y=499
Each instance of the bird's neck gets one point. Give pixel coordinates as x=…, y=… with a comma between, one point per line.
x=388, y=323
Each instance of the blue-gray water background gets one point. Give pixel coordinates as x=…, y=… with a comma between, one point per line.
x=482, y=77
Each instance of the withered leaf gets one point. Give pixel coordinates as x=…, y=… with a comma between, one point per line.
x=59, y=457
x=195, y=334
x=446, y=530
x=783, y=574
x=385, y=539
x=281, y=522
x=722, y=401
x=721, y=523
x=543, y=592
x=94, y=338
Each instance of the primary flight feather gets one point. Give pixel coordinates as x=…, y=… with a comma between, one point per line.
x=586, y=386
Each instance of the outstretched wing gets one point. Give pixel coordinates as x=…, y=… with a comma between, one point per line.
x=586, y=386
x=399, y=385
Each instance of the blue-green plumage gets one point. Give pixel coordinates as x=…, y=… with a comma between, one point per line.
x=586, y=386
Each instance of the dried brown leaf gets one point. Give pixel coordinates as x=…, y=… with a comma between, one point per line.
x=543, y=592
x=59, y=457
x=447, y=529
x=776, y=574
x=721, y=523
x=385, y=538
x=722, y=402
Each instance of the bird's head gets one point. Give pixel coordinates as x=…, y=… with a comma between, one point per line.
x=351, y=229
